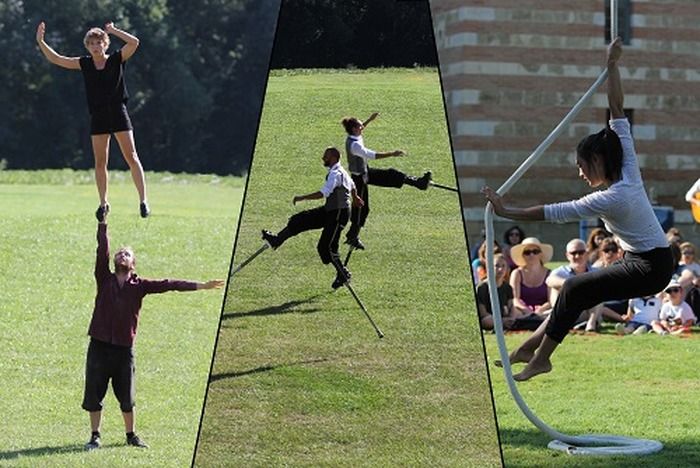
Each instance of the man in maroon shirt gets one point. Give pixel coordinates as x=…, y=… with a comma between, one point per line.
x=113, y=330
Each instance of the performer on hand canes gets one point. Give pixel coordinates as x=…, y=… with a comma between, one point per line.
x=363, y=175
x=340, y=193
x=606, y=159
x=107, y=97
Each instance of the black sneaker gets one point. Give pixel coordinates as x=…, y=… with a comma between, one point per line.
x=271, y=239
x=102, y=212
x=341, y=278
x=94, y=443
x=134, y=441
x=355, y=243
x=145, y=210
x=424, y=181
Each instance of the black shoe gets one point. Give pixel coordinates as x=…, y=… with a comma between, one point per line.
x=271, y=239
x=101, y=212
x=355, y=243
x=134, y=441
x=341, y=278
x=145, y=210
x=424, y=181
x=94, y=442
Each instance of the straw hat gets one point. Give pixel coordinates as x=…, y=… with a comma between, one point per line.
x=516, y=252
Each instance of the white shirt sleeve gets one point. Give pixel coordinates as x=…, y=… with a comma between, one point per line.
x=666, y=312
x=333, y=180
x=687, y=313
x=693, y=190
x=358, y=149
x=592, y=205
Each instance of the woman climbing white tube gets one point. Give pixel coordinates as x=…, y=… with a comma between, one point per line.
x=606, y=158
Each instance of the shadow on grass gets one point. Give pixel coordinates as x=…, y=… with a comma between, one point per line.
x=43, y=451
x=288, y=307
x=257, y=370
x=518, y=443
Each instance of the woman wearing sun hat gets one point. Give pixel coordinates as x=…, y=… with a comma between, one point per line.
x=606, y=160
x=530, y=291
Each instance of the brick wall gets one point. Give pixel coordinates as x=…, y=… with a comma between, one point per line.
x=512, y=69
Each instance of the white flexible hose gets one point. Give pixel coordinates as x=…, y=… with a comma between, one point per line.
x=590, y=444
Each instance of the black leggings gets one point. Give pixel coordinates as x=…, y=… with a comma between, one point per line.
x=636, y=275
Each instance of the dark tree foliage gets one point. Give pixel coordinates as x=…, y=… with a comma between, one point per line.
x=196, y=82
x=354, y=33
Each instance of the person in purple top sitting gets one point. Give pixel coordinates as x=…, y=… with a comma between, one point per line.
x=112, y=332
x=606, y=159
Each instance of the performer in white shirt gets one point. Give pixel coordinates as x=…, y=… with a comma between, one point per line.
x=363, y=175
x=340, y=194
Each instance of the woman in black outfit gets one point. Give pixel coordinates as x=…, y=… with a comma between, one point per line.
x=107, y=97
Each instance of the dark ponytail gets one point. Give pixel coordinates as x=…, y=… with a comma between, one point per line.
x=606, y=144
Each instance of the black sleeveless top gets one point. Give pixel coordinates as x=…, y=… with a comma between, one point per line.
x=104, y=87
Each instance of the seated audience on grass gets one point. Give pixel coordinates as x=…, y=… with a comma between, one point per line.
x=692, y=297
x=505, y=296
x=513, y=236
x=512, y=319
x=479, y=263
x=641, y=314
x=688, y=267
x=530, y=290
x=611, y=252
x=674, y=236
x=595, y=237
x=676, y=316
x=577, y=256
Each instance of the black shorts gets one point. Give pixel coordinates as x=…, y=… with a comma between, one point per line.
x=104, y=362
x=110, y=119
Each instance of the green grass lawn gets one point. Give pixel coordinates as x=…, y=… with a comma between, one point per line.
x=299, y=377
x=645, y=387
x=47, y=255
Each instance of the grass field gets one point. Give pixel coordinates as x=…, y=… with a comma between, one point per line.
x=47, y=255
x=645, y=387
x=299, y=376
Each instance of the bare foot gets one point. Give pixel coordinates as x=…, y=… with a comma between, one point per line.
x=532, y=369
x=519, y=355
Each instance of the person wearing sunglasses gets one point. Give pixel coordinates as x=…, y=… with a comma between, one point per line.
x=530, y=290
x=605, y=160
x=577, y=255
x=676, y=316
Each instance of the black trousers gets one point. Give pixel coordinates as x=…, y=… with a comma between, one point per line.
x=332, y=224
x=107, y=362
x=636, y=275
x=379, y=177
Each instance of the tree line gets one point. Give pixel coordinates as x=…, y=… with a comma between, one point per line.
x=196, y=82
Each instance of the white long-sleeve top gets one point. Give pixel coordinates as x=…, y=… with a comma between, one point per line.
x=624, y=206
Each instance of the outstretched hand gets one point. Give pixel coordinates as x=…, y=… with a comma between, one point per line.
x=213, y=284
x=40, y=31
x=296, y=199
x=399, y=153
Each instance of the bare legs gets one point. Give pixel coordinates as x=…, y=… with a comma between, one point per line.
x=96, y=421
x=100, y=149
x=128, y=148
x=535, y=351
